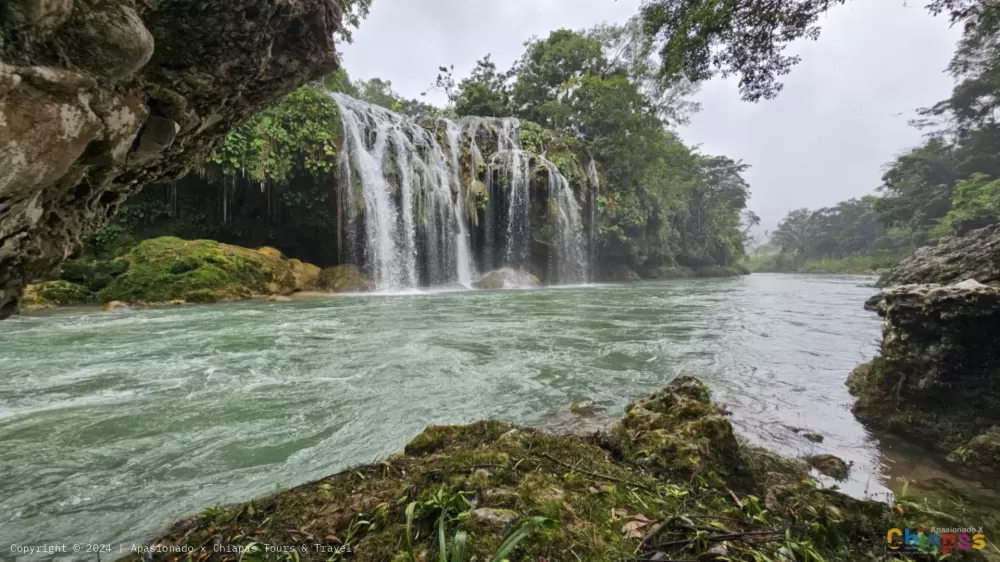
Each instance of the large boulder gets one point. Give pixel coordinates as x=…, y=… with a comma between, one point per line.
x=973, y=256
x=170, y=269
x=99, y=98
x=937, y=377
x=507, y=278
x=344, y=279
x=56, y=293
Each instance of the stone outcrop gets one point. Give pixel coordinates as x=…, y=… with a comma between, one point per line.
x=344, y=279
x=507, y=278
x=937, y=377
x=99, y=98
x=973, y=256
x=669, y=482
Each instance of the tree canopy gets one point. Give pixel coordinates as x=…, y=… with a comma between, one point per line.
x=699, y=39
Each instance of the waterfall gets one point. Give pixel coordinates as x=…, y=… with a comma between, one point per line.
x=464, y=256
x=595, y=195
x=571, y=257
x=413, y=187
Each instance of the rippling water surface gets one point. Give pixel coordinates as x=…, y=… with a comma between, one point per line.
x=113, y=425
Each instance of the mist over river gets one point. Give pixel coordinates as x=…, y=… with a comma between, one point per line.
x=114, y=425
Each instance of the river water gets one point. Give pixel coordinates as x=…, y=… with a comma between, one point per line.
x=114, y=425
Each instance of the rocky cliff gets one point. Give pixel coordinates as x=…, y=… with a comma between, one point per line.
x=937, y=376
x=98, y=98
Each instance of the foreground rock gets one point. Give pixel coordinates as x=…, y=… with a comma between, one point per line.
x=169, y=269
x=507, y=279
x=973, y=256
x=669, y=482
x=937, y=377
x=99, y=98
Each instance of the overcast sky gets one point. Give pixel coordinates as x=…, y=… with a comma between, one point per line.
x=842, y=115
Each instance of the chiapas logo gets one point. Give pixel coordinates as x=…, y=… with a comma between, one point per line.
x=936, y=539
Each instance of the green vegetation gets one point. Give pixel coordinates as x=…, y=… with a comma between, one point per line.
x=662, y=203
x=170, y=269
x=56, y=293
x=699, y=39
x=669, y=482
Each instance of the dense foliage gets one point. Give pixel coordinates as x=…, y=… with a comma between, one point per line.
x=698, y=39
x=662, y=203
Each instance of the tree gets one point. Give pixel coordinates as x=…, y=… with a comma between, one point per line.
x=698, y=39
x=487, y=92
x=379, y=92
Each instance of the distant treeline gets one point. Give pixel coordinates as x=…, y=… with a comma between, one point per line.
x=945, y=187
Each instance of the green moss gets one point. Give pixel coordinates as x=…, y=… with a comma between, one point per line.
x=93, y=274
x=344, y=279
x=56, y=293
x=168, y=269
x=480, y=477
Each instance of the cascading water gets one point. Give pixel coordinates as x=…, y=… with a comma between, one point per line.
x=595, y=195
x=407, y=187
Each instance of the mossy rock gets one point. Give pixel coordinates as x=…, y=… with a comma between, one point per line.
x=169, y=269
x=56, y=293
x=488, y=476
x=92, y=274
x=981, y=453
x=344, y=279
x=832, y=466
x=677, y=429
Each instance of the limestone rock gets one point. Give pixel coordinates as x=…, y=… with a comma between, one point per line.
x=973, y=256
x=507, y=278
x=490, y=516
x=99, y=98
x=344, y=279
x=583, y=406
x=937, y=377
x=676, y=429
x=982, y=452
x=279, y=298
x=116, y=306
x=832, y=466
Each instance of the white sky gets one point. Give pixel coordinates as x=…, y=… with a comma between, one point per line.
x=842, y=115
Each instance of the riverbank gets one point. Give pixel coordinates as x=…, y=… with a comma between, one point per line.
x=670, y=481
x=855, y=265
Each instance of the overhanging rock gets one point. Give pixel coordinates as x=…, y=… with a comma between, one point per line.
x=98, y=98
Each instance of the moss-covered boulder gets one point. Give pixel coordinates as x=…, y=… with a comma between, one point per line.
x=981, y=453
x=92, y=274
x=675, y=430
x=344, y=279
x=56, y=293
x=830, y=465
x=170, y=269
x=582, y=501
